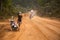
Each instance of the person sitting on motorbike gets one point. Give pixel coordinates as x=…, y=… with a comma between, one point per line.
x=11, y=20
x=31, y=13
x=13, y=24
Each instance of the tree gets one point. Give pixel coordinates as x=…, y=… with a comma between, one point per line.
x=50, y=6
x=5, y=7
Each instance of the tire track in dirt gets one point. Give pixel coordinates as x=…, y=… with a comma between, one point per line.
x=52, y=22
x=48, y=33
x=54, y=38
x=55, y=28
x=36, y=28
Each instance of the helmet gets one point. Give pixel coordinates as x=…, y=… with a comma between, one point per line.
x=19, y=13
x=31, y=10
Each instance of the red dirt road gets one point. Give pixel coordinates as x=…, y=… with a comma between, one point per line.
x=32, y=29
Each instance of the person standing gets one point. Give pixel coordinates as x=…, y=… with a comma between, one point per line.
x=19, y=19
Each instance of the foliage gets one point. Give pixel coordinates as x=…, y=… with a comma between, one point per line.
x=50, y=7
x=6, y=8
x=46, y=7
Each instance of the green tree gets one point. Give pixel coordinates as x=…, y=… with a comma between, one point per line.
x=50, y=6
x=5, y=7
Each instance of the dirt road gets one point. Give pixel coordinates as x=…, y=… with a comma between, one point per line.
x=36, y=28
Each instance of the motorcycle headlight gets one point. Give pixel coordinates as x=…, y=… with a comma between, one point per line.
x=15, y=26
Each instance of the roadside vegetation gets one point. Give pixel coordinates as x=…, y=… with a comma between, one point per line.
x=45, y=8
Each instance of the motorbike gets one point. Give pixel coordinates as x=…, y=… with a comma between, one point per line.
x=14, y=26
